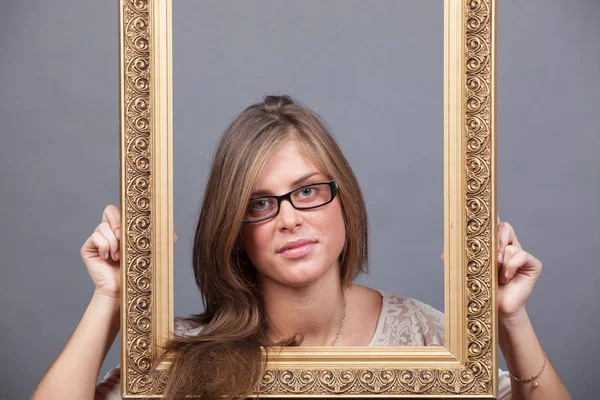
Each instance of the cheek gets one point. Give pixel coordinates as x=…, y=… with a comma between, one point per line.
x=255, y=241
x=335, y=227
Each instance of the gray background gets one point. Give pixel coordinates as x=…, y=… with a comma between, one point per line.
x=378, y=87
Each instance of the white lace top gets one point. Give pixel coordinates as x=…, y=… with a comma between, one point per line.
x=403, y=322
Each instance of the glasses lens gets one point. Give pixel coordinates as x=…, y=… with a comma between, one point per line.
x=312, y=196
x=260, y=207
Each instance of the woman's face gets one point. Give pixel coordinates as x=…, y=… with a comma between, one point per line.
x=314, y=238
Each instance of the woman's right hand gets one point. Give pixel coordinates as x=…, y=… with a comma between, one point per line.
x=101, y=254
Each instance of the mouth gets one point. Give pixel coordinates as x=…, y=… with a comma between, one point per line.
x=297, y=248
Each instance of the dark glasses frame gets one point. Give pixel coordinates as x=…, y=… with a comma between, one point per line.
x=288, y=196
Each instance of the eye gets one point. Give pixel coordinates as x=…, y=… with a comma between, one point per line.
x=308, y=191
x=258, y=204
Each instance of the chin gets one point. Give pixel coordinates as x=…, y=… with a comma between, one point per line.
x=300, y=274
x=300, y=281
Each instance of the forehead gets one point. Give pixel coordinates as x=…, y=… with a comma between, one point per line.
x=288, y=163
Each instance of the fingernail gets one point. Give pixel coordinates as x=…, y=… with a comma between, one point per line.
x=117, y=254
x=118, y=233
x=506, y=274
x=499, y=256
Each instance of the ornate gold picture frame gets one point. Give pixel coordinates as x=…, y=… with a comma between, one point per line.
x=465, y=367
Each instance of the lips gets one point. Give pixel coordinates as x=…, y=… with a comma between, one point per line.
x=295, y=244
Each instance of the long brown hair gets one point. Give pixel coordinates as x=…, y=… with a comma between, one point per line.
x=224, y=360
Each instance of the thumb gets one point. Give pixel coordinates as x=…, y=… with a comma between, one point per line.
x=501, y=240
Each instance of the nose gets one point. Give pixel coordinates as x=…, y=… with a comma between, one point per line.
x=288, y=217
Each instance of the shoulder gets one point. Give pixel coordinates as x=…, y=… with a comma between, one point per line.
x=405, y=321
x=186, y=327
x=413, y=308
x=409, y=322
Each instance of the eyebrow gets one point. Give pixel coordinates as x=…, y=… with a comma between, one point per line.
x=265, y=192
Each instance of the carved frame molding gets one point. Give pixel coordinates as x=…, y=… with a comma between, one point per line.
x=465, y=367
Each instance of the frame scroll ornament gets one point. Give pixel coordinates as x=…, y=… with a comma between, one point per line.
x=465, y=367
x=137, y=152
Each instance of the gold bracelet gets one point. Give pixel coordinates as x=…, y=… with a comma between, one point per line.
x=533, y=378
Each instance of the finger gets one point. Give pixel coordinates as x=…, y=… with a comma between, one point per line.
x=112, y=216
x=518, y=261
x=506, y=255
x=174, y=234
x=510, y=252
x=106, y=231
x=98, y=243
x=506, y=237
x=524, y=263
x=530, y=264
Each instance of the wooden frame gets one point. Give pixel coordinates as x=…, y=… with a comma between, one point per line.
x=465, y=367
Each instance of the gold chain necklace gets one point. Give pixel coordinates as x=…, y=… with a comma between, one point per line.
x=343, y=321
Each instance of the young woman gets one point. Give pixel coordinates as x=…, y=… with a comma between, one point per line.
x=281, y=236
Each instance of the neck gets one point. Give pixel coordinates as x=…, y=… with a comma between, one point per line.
x=313, y=311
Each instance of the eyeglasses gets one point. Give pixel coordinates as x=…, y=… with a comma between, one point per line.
x=304, y=198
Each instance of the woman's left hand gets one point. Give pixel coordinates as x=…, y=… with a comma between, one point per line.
x=517, y=273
